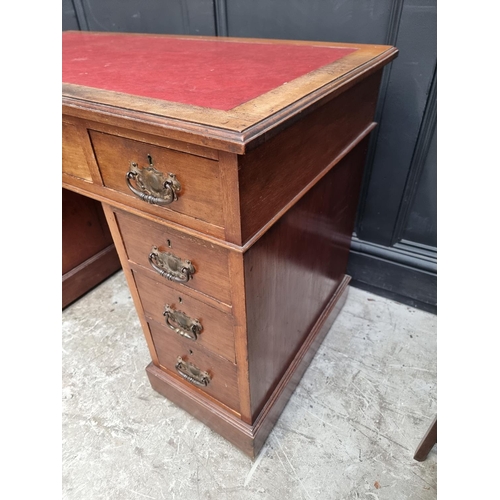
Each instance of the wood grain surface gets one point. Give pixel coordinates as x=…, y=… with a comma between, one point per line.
x=88, y=252
x=200, y=194
x=300, y=153
x=223, y=384
x=73, y=157
x=217, y=334
x=292, y=272
x=211, y=275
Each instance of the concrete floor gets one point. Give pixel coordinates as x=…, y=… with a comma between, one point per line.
x=349, y=431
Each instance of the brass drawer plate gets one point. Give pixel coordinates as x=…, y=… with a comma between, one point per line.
x=201, y=369
x=167, y=180
x=164, y=305
x=194, y=263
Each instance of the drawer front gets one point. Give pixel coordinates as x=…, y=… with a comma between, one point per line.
x=210, y=262
x=73, y=158
x=198, y=178
x=185, y=316
x=220, y=374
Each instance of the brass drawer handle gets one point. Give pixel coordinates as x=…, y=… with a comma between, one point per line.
x=170, y=266
x=152, y=185
x=181, y=323
x=192, y=373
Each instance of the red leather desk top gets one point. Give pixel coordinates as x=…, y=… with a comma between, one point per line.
x=207, y=73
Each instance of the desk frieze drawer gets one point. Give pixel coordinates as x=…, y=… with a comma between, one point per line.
x=200, y=369
x=74, y=162
x=162, y=179
x=183, y=315
x=175, y=257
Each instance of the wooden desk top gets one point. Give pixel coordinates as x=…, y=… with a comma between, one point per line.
x=235, y=88
x=203, y=73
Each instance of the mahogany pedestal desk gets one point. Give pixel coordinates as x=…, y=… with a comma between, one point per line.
x=229, y=172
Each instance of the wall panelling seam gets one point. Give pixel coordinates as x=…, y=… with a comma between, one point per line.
x=422, y=145
x=220, y=10
x=390, y=39
x=80, y=15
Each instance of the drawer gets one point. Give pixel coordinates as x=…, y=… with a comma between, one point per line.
x=198, y=178
x=202, y=324
x=73, y=157
x=220, y=374
x=209, y=262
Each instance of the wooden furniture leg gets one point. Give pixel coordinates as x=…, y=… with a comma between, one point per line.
x=428, y=441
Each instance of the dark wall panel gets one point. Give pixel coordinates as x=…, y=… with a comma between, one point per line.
x=69, y=21
x=362, y=21
x=422, y=219
x=407, y=92
x=194, y=17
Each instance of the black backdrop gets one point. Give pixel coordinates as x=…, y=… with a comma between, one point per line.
x=394, y=249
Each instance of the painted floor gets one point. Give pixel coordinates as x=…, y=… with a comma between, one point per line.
x=349, y=431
